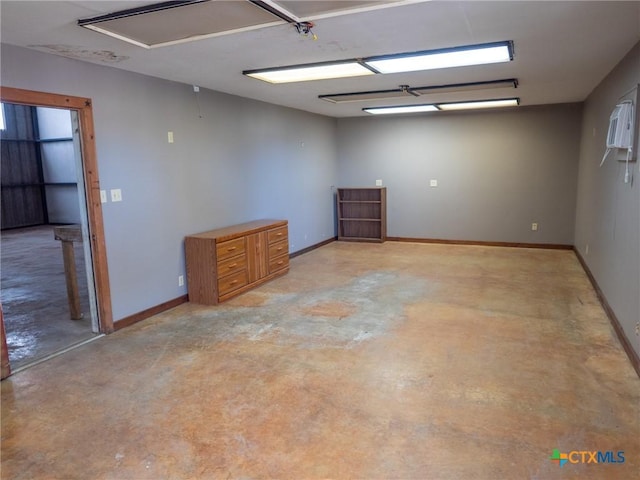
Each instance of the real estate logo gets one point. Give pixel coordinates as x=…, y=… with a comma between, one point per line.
x=559, y=458
x=585, y=456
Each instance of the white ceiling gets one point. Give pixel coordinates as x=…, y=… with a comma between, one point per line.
x=562, y=49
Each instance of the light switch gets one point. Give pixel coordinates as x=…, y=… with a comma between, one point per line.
x=116, y=195
x=433, y=183
x=170, y=137
x=103, y=196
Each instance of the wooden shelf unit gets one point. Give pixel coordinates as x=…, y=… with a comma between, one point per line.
x=362, y=214
x=228, y=261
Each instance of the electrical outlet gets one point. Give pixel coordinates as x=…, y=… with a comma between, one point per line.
x=534, y=227
x=170, y=137
x=116, y=195
x=433, y=183
x=378, y=183
x=180, y=280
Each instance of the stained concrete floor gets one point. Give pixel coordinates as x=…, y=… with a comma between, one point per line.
x=366, y=361
x=34, y=295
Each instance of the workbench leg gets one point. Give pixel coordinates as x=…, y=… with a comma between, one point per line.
x=72, y=280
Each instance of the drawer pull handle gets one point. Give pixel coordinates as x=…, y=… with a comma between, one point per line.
x=233, y=265
x=280, y=262
x=280, y=248
x=279, y=234
x=234, y=282
x=231, y=249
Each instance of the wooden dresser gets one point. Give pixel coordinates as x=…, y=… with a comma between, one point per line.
x=228, y=261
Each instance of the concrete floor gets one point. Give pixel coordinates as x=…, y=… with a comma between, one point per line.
x=366, y=361
x=34, y=295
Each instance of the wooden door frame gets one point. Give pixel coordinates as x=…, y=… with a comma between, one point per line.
x=83, y=106
x=5, y=368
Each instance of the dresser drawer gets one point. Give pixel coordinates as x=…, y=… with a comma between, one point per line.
x=278, y=263
x=230, y=248
x=231, y=282
x=232, y=265
x=278, y=234
x=279, y=248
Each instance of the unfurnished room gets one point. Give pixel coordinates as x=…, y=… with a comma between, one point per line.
x=320, y=239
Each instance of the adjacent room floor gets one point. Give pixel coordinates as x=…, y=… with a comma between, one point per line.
x=34, y=295
x=366, y=361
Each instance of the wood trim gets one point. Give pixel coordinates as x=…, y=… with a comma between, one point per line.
x=83, y=106
x=615, y=323
x=149, y=312
x=550, y=246
x=5, y=365
x=41, y=99
x=312, y=247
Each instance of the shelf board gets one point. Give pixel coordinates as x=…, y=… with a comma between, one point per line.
x=360, y=220
x=360, y=201
x=362, y=239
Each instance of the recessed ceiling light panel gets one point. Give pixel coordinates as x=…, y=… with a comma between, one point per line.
x=445, y=58
x=502, y=102
x=401, y=109
x=499, y=102
x=403, y=62
x=303, y=73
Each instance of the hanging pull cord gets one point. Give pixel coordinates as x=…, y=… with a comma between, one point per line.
x=626, y=170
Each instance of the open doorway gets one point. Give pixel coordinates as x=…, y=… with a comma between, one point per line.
x=54, y=275
x=47, y=286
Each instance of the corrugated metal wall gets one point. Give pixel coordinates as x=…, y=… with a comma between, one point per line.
x=23, y=201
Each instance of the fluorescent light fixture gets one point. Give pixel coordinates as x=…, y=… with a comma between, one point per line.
x=444, y=58
x=466, y=87
x=406, y=91
x=401, y=109
x=303, y=73
x=3, y=125
x=402, y=62
x=502, y=102
x=365, y=96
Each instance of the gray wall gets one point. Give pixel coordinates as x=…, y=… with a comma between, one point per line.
x=497, y=172
x=59, y=165
x=608, y=210
x=233, y=160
